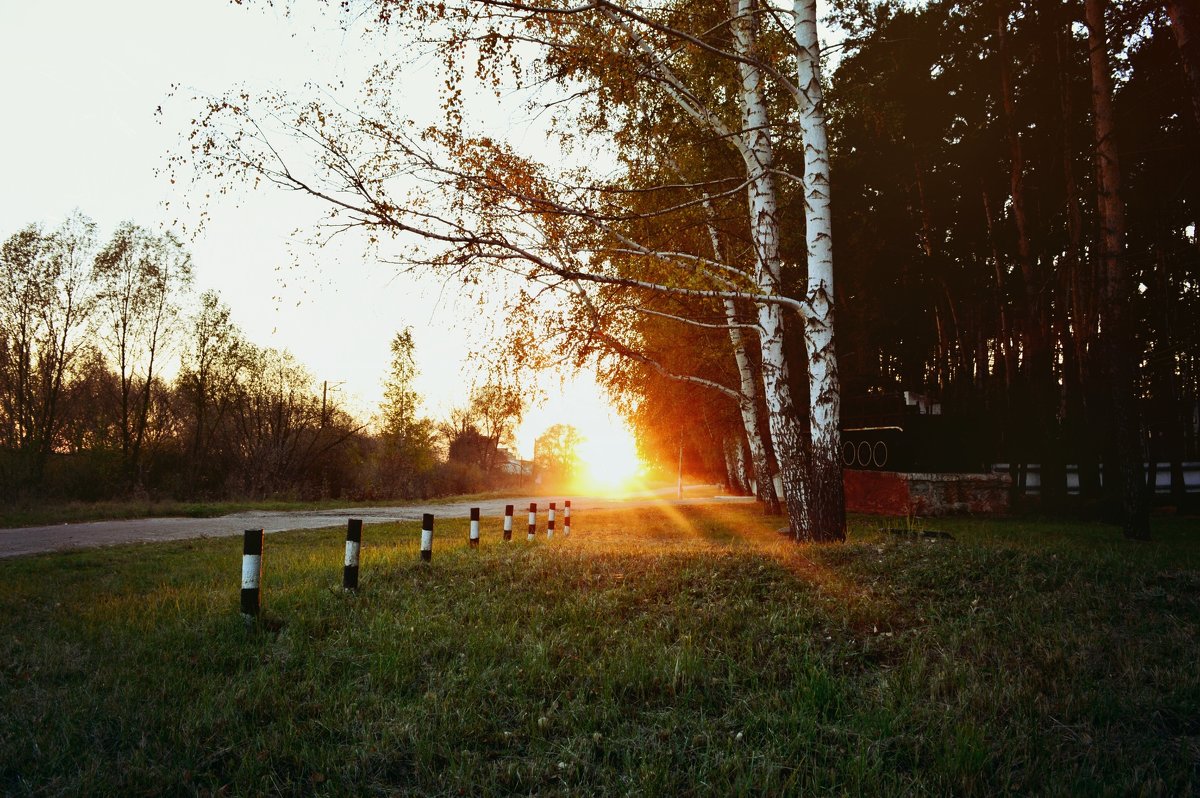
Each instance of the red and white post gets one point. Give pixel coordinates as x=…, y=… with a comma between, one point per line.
x=567, y=518
x=473, y=535
x=532, y=522
x=508, y=516
x=550, y=522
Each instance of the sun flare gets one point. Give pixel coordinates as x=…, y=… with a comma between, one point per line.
x=609, y=460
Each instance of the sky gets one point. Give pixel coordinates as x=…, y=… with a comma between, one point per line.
x=95, y=97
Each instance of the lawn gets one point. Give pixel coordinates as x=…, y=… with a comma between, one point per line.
x=654, y=652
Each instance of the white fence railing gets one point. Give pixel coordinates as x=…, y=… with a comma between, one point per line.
x=1162, y=477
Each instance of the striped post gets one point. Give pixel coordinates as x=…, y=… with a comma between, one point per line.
x=473, y=536
x=353, y=547
x=508, y=514
x=252, y=550
x=427, y=537
x=567, y=518
x=532, y=521
x=550, y=522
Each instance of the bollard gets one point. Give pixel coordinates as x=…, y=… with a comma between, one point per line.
x=532, y=521
x=550, y=522
x=353, y=547
x=252, y=550
x=567, y=518
x=473, y=535
x=427, y=537
x=508, y=514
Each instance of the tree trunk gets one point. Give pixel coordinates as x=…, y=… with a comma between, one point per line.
x=1124, y=471
x=748, y=407
x=826, y=494
x=1075, y=301
x=748, y=401
x=1166, y=389
x=1185, y=22
x=1039, y=384
x=739, y=460
x=758, y=154
x=1005, y=335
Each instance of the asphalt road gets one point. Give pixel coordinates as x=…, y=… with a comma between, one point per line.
x=63, y=537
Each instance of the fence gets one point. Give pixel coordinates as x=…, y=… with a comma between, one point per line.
x=254, y=550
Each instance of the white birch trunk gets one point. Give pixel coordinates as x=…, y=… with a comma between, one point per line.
x=735, y=465
x=739, y=454
x=748, y=406
x=767, y=485
x=764, y=229
x=825, y=484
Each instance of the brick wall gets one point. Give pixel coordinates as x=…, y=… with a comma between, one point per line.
x=893, y=493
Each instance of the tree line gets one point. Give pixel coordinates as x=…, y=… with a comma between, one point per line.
x=1015, y=218
x=117, y=381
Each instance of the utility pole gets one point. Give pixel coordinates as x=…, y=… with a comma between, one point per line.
x=325, y=389
x=680, y=485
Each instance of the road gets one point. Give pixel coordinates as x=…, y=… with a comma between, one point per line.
x=63, y=537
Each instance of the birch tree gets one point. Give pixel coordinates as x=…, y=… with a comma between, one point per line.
x=824, y=387
x=648, y=46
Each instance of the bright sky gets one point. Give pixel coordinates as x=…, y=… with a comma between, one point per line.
x=83, y=82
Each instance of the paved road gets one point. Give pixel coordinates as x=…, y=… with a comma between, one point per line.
x=61, y=537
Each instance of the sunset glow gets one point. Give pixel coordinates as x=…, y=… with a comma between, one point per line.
x=609, y=460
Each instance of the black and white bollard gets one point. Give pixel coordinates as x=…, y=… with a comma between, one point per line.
x=508, y=514
x=252, y=550
x=353, y=547
x=532, y=522
x=550, y=522
x=567, y=518
x=473, y=535
x=427, y=537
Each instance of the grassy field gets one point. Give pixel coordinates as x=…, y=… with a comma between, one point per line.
x=673, y=651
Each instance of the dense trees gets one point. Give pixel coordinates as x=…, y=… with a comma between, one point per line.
x=556, y=455
x=44, y=301
x=1018, y=220
x=116, y=381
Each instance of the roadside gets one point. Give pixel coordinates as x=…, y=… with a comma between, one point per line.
x=66, y=536
x=30, y=514
x=40, y=513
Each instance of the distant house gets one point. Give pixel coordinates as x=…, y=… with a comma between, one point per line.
x=509, y=463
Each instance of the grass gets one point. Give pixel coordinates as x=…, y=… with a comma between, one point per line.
x=655, y=652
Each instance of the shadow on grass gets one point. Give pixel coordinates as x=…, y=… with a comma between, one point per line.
x=663, y=651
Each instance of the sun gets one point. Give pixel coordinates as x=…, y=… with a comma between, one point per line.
x=608, y=459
